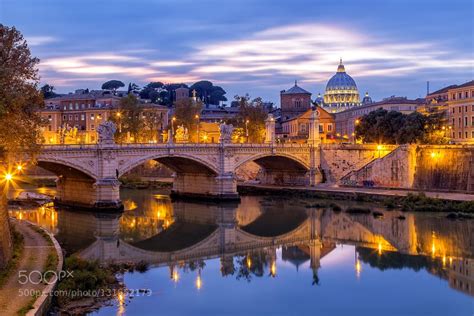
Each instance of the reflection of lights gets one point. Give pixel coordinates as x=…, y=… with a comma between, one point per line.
x=380, y=248
x=444, y=261
x=433, y=248
x=198, y=282
x=450, y=260
x=273, y=268
x=249, y=262
x=121, y=298
x=379, y=147
x=358, y=268
x=175, y=276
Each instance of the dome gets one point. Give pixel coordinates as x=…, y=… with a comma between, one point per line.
x=341, y=91
x=367, y=99
x=341, y=80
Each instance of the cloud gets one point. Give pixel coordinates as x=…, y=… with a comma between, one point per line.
x=40, y=40
x=271, y=58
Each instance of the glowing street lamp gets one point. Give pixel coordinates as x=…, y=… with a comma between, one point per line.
x=197, y=119
x=247, y=130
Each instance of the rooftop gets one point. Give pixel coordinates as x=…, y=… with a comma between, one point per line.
x=295, y=90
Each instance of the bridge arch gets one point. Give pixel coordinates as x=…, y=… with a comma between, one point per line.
x=181, y=163
x=271, y=160
x=65, y=167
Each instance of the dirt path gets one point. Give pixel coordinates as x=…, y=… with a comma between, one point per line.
x=35, y=253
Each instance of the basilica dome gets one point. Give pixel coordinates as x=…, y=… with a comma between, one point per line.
x=341, y=91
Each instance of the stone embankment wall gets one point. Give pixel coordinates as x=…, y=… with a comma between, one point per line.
x=424, y=167
x=339, y=160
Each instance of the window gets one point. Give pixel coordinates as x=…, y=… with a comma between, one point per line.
x=466, y=95
x=64, y=117
x=454, y=122
x=460, y=135
x=472, y=120
x=83, y=117
x=83, y=106
x=465, y=135
x=76, y=117
x=64, y=107
x=465, y=121
x=49, y=128
x=77, y=106
x=92, y=127
x=92, y=116
x=454, y=96
x=321, y=128
x=99, y=116
x=459, y=95
x=459, y=122
x=329, y=127
x=459, y=109
x=70, y=117
x=50, y=118
x=472, y=134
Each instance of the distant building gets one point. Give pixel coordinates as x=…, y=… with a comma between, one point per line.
x=181, y=93
x=346, y=120
x=81, y=113
x=294, y=101
x=461, y=112
x=296, y=129
x=341, y=92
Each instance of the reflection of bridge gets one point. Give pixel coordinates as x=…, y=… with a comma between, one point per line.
x=88, y=174
x=223, y=236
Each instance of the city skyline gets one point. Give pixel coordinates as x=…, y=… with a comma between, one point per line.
x=388, y=49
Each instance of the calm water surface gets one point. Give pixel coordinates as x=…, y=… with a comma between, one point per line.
x=274, y=256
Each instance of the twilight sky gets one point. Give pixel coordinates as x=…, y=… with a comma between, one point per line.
x=260, y=47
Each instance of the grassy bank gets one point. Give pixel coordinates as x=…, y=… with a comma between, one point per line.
x=18, y=244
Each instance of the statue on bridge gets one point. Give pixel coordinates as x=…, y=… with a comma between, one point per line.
x=106, y=132
x=182, y=135
x=226, y=133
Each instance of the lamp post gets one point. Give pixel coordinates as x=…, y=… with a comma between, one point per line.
x=173, y=119
x=197, y=119
x=247, y=130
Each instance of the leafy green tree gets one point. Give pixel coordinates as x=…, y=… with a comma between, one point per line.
x=149, y=91
x=393, y=127
x=128, y=119
x=251, y=117
x=48, y=91
x=113, y=85
x=20, y=102
x=208, y=92
x=186, y=112
x=132, y=88
x=20, y=98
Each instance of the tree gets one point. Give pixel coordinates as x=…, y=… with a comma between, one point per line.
x=20, y=102
x=20, y=99
x=113, y=85
x=48, y=91
x=128, y=119
x=393, y=127
x=185, y=113
x=251, y=117
x=132, y=88
x=150, y=91
x=209, y=93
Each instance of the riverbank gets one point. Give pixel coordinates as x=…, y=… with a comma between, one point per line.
x=406, y=200
x=40, y=254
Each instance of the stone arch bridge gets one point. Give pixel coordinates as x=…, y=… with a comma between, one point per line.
x=88, y=174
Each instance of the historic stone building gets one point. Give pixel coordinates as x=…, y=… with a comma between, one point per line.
x=296, y=129
x=74, y=118
x=341, y=92
x=461, y=112
x=294, y=101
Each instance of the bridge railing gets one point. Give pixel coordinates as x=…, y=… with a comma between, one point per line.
x=165, y=145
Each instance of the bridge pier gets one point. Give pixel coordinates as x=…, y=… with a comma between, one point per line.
x=205, y=186
x=88, y=193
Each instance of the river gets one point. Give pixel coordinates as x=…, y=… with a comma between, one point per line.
x=273, y=256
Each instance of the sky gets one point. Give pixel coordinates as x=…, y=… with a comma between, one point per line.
x=259, y=47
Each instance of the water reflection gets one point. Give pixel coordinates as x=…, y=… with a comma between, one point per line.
x=260, y=236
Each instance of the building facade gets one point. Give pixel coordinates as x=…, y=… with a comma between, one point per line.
x=74, y=118
x=348, y=119
x=296, y=129
x=294, y=101
x=460, y=101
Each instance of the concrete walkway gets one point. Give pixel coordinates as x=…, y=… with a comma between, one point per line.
x=370, y=191
x=35, y=253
